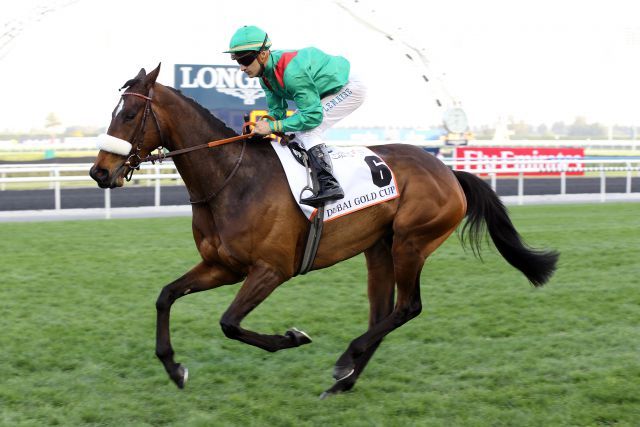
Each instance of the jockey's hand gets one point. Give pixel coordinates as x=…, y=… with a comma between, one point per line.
x=262, y=128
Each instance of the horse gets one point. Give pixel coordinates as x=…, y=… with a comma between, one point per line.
x=247, y=226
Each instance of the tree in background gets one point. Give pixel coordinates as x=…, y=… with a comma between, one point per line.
x=559, y=129
x=520, y=129
x=582, y=129
x=52, y=121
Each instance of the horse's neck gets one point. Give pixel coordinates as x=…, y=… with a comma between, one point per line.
x=206, y=169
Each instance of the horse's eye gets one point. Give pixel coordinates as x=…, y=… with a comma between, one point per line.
x=129, y=116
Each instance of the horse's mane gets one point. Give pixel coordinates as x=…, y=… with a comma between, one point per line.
x=215, y=122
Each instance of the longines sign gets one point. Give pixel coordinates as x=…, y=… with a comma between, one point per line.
x=219, y=87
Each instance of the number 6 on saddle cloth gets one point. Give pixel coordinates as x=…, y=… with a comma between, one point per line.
x=366, y=179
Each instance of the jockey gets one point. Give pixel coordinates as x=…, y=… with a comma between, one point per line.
x=322, y=87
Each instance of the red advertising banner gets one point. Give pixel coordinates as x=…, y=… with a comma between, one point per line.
x=515, y=160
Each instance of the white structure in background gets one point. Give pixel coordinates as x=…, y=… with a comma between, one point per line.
x=502, y=132
x=454, y=118
x=30, y=14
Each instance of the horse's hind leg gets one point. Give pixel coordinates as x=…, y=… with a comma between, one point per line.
x=381, y=285
x=201, y=278
x=261, y=281
x=409, y=253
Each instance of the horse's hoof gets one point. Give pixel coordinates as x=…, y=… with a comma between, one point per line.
x=182, y=375
x=298, y=336
x=343, y=372
x=339, y=387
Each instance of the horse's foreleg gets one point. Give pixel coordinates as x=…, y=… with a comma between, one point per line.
x=261, y=281
x=381, y=285
x=201, y=278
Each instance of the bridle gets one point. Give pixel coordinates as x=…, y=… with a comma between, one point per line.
x=134, y=160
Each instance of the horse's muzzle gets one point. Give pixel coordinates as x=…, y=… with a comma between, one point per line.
x=101, y=176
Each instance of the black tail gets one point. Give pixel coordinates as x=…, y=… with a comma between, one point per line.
x=484, y=207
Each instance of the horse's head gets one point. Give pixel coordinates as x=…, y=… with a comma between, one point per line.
x=133, y=133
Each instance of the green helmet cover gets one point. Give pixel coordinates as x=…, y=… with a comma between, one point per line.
x=248, y=38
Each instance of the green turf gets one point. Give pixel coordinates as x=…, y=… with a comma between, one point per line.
x=78, y=333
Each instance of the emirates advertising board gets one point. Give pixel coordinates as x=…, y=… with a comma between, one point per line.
x=511, y=161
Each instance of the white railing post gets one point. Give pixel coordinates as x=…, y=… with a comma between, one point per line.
x=493, y=180
x=521, y=188
x=628, y=186
x=157, y=189
x=563, y=183
x=56, y=189
x=107, y=203
x=603, y=184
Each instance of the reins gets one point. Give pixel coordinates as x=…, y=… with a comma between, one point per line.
x=227, y=179
x=134, y=160
x=161, y=156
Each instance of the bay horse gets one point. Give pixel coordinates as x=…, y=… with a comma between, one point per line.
x=247, y=225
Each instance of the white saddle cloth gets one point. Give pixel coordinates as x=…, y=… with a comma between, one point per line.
x=365, y=178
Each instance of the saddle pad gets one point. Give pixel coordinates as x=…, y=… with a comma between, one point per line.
x=365, y=178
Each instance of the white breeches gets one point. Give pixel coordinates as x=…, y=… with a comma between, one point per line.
x=336, y=107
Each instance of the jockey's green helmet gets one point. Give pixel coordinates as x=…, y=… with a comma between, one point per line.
x=249, y=38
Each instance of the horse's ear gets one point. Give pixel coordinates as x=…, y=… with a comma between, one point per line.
x=141, y=74
x=151, y=77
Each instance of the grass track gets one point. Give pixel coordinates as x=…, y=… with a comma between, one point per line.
x=78, y=330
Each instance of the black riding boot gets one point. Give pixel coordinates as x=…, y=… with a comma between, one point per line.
x=322, y=168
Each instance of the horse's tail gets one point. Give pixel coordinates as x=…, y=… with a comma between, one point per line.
x=485, y=208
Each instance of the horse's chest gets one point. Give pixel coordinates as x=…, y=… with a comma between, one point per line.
x=207, y=249
x=213, y=251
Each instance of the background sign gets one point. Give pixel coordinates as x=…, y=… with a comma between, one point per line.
x=510, y=160
x=219, y=86
x=222, y=89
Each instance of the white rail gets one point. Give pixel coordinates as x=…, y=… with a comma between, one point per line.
x=553, y=166
x=55, y=174
x=52, y=175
